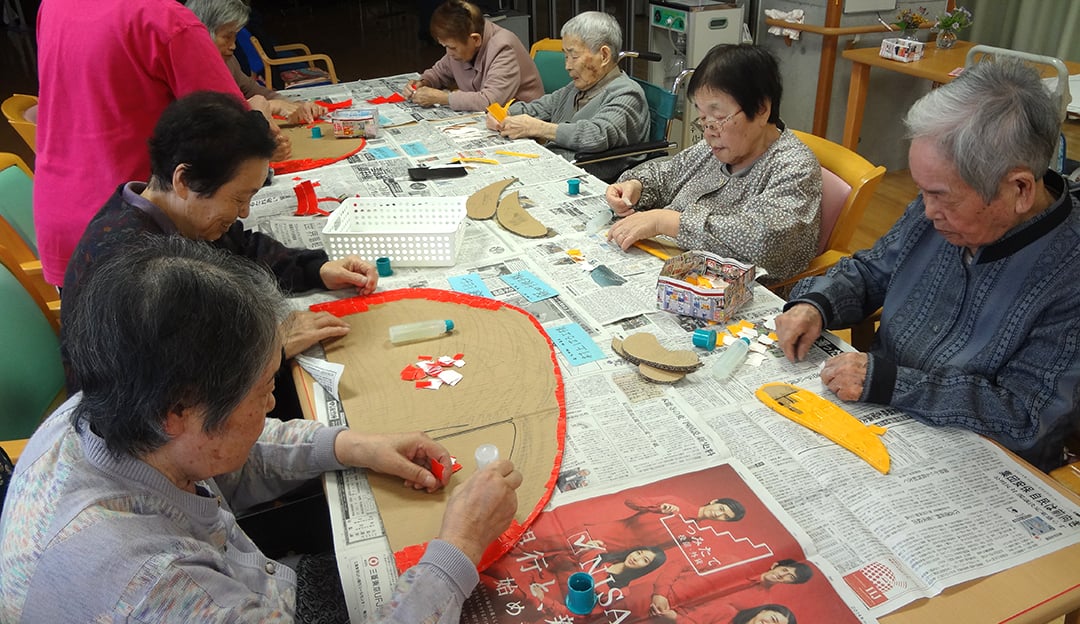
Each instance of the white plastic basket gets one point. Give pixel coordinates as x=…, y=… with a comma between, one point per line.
x=411, y=231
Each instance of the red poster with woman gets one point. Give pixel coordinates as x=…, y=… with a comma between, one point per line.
x=699, y=548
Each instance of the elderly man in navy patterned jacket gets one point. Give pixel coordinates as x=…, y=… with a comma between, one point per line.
x=976, y=281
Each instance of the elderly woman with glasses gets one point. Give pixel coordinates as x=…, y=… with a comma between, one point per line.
x=224, y=19
x=601, y=109
x=748, y=190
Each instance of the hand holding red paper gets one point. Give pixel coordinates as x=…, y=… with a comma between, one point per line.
x=405, y=455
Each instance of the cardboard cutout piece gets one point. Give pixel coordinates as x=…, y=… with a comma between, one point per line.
x=644, y=348
x=511, y=395
x=513, y=217
x=482, y=204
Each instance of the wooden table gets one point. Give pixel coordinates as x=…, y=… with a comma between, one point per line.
x=934, y=66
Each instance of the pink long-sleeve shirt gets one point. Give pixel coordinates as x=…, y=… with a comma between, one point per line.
x=107, y=70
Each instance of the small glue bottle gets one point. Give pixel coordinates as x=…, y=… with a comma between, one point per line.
x=731, y=358
x=485, y=454
x=422, y=330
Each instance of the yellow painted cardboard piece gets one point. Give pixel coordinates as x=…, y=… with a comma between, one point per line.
x=499, y=111
x=513, y=217
x=483, y=203
x=658, y=247
x=507, y=397
x=828, y=419
x=643, y=347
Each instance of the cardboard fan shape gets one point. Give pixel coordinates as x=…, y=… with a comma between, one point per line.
x=309, y=152
x=511, y=395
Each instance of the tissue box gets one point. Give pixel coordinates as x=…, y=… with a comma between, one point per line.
x=358, y=122
x=903, y=50
x=704, y=285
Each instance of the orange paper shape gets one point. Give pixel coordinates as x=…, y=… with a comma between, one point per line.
x=514, y=399
x=499, y=111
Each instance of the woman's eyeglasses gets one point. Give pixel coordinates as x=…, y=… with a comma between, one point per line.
x=716, y=126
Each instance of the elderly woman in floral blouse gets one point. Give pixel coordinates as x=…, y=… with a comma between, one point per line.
x=749, y=189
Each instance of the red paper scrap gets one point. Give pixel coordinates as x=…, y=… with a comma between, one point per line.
x=437, y=469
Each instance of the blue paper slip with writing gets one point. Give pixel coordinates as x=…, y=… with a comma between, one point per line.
x=575, y=344
x=529, y=286
x=470, y=284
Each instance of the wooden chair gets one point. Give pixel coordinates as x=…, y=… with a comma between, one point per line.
x=848, y=183
x=21, y=112
x=550, y=61
x=31, y=369
x=305, y=77
x=17, y=226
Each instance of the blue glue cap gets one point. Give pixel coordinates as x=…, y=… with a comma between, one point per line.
x=704, y=339
x=449, y=325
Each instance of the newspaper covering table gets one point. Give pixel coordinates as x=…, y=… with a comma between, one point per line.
x=889, y=539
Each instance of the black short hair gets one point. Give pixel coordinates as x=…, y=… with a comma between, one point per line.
x=213, y=134
x=803, y=572
x=744, y=616
x=748, y=73
x=738, y=511
x=164, y=324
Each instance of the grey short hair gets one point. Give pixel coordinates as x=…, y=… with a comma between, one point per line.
x=165, y=324
x=995, y=117
x=217, y=13
x=596, y=29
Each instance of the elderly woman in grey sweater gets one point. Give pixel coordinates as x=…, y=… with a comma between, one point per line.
x=601, y=109
x=749, y=190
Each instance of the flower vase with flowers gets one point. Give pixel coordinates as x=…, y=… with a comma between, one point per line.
x=949, y=24
x=909, y=21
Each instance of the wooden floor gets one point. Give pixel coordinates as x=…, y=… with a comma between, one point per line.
x=897, y=191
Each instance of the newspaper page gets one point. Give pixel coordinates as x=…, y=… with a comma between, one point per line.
x=882, y=540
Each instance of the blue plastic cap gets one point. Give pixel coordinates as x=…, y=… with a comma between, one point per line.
x=745, y=339
x=581, y=595
x=573, y=186
x=704, y=339
x=449, y=325
x=382, y=265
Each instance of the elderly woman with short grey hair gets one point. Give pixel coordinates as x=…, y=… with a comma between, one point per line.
x=122, y=507
x=224, y=19
x=601, y=109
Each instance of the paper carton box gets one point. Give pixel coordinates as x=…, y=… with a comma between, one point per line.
x=704, y=285
x=355, y=122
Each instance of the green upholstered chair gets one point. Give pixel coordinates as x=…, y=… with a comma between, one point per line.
x=31, y=369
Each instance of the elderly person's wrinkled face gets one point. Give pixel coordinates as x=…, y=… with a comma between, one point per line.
x=225, y=39
x=735, y=136
x=463, y=51
x=227, y=449
x=586, y=67
x=959, y=213
x=209, y=217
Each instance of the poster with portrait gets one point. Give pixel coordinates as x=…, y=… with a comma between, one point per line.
x=700, y=548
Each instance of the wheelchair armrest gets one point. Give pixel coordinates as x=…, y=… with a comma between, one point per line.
x=628, y=150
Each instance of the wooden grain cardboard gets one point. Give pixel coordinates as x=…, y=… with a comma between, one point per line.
x=510, y=397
